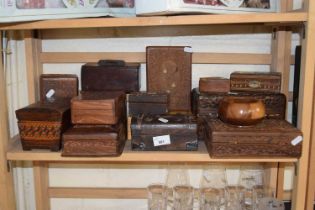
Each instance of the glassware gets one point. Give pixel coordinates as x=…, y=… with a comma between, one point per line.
x=157, y=197
x=235, y=198
x=268, y=203
x=252, y=179
x=212, y=188
x=183, y=197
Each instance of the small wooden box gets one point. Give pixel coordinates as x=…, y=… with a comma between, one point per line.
x=98, y=108
x=207, y=104
x=180, y=130
x=256, y=82
x=214, y=85
x=111, y=76
x=94, y=141
x=64, y=85
x=41, y=124
x=147, y=103
x=271, y=138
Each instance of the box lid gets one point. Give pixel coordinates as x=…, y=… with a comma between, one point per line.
x=148, y=97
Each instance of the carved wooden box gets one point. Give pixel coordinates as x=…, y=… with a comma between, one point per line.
x=94, y=141
x=207, y=104
x=256, y=81
x=98, y=107
x=63, y=85
x=214, y=85
x=164, y=132
x=271, y=138
x=41, y=124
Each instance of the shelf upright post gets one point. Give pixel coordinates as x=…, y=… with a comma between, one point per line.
x=305, y=107
x=7, y=197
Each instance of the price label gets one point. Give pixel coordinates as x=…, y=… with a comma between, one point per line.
x=161, y=140
x=163, y=120
x=50, y=93
x=297, y=140
x=188, y=49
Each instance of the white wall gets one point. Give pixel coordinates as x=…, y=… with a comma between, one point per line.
x=118, y=175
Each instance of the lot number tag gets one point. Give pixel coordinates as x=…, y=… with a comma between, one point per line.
x=161, y=140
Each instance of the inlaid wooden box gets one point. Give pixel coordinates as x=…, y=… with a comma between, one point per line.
x=256, y=82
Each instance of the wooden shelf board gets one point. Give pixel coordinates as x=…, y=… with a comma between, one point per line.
x=15, y=152
x=251, y=18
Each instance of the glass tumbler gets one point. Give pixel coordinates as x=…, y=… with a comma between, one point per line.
x=211, y=198
x=183, y=197
x=157, y=197
x=235, y=198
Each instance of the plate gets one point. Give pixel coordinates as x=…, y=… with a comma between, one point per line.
x=232, y=3
x=80, y=3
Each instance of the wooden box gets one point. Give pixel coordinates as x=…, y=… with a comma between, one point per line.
x=207, y=104
x=98, y=108
x=169, y=70
x=41, y=124
x=214, y=85
x=110, y=75
x=164, y=132
x=256, y=81
x=63, y=85
x=147, y=103
x=94, y=141
x=271, y=138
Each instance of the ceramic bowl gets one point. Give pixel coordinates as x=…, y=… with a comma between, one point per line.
x=241, y=111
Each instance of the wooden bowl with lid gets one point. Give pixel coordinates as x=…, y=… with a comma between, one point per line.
x=241, y=111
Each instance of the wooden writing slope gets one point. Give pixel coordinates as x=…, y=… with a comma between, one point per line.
x=280, y=59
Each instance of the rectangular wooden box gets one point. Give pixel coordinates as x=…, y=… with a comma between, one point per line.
x=181, y=129
x=64, y=85
x=147, y=103
x=256, y=81
x=41, y=124
x=271, y=138
x=169, y=70
x=207, y=104
x=214, y=85
x=98, y=108
x=94, y=141
x=110, y=75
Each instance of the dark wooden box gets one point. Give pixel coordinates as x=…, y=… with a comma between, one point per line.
x=147, y=103
x=207, y=104
x=94, y=141
x=182, y=131
x=41, y=124
x=169, y=70
x=214, y=85
x=98, y=107
x=64, y=85
x=256, y=81
x=110, y=75
x=271, y=138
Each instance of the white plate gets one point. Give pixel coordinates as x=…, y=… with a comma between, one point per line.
x=80, y=3
x=232, y=3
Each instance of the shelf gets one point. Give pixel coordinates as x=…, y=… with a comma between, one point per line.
x=252, y=18
x=15, y=152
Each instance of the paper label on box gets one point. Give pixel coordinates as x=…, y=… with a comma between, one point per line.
x=163, y=120
x=297, y=140
x=161, y=140
x=50, y=93
x=188, y=49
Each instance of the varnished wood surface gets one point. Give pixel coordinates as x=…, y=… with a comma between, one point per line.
x=201, y=156
x=283, y=18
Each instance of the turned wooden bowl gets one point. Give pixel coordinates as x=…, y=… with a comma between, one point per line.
x=241, y=111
